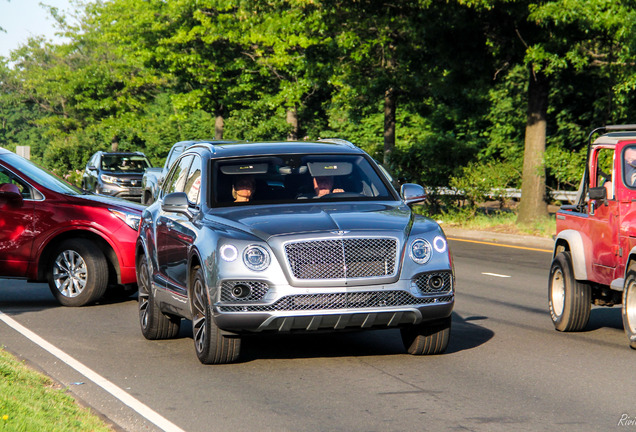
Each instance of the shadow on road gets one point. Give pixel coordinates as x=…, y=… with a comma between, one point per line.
x=465, y=334
x=605, y=317
x=18, y=296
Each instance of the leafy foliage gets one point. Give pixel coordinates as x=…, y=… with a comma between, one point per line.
x=142, y=74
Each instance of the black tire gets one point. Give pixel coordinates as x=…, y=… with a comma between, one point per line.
x=427, y=338
x=154, y=324
x=77, y=272
x=569, y=300
x=211, y=346
x=629, y=306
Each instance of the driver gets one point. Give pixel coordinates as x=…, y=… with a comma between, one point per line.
x=323, y=185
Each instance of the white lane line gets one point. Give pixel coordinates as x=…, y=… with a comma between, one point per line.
x=497, y=275
x=144, y=410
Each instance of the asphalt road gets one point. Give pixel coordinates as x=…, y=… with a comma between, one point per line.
x=506, y=367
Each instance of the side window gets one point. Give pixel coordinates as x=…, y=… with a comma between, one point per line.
x=178, y=175
x=8, y=177
x=174, y=154
x=605, y=171
x=629, y=166
x=193, y=182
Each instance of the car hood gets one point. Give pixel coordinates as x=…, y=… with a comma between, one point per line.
x=110, y=201
x=265, y=222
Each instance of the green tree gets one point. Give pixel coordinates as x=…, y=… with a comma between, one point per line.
x=551, y=39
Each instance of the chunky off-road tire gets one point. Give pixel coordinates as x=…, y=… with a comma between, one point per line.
x=569, y=300
x=154, y=324
x=629, y=306
x=427, y=338
x=212, y=347
x=77, y=272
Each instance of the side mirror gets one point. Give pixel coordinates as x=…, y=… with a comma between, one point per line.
x=598, y=193
x=176, y=202
x=412, y=193
x=10, y=193
x=91, y=168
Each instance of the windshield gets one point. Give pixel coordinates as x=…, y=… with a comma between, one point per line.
x=126, y=163
x=41, y=176
x=295, y=179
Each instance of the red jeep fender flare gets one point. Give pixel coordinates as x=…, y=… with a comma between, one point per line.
x=572, y=241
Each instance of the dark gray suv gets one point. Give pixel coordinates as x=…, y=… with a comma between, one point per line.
x=116, y=174
x=248, y=238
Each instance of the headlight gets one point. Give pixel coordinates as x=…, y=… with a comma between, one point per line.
x=108, y=179
x=131, y=219
x=256, y=258
x=439, y=243
x=228, y=252
x=420, y=251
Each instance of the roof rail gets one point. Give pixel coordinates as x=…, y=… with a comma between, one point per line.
x=338, y=141
x=586, y=175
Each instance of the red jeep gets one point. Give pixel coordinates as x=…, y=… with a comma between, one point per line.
x=595, y=246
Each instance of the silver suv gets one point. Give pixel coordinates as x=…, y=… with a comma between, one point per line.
x=263, y=237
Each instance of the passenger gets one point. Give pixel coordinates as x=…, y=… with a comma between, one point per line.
x=630, y=166
x=323, y=185
x=243, y=189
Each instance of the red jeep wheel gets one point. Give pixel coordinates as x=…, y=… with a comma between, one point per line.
x=569, y=299
x=629, y=306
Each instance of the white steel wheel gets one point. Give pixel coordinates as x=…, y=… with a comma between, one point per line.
x=569, y=300
x=629, y=307
x=557, y=293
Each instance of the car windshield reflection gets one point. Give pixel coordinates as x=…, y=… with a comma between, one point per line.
x=294, y=179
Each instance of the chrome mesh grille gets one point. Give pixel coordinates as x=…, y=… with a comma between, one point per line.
x=359, y=300
x=434, y=283
x=342, y=258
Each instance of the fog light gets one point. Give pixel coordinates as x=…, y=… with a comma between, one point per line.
x=241, y=291
x=436, y=282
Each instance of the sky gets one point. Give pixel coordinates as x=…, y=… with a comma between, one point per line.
x=24, y=18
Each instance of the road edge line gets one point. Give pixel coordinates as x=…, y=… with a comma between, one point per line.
x=128, y=400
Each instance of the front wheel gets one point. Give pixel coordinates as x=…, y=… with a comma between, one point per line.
x=212, y=347
x=629, y=306
x=154, y=324
x=427, y=338
x=569, y=300
x=77, y=273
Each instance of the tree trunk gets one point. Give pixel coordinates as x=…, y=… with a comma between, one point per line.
x=219, y=123
x=389, y=125
x=533, y=206
x=292, y=120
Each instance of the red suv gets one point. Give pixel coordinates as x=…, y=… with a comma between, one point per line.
x=79, y=242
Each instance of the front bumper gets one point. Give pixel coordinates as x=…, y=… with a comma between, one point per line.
x=128, y=193
x=366, y=307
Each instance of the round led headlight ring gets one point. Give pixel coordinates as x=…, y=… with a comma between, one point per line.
x=420, y=251
x=256, y=258
x=439, y=243
x=228, y=252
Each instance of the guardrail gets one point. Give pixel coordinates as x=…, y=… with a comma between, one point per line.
x=569, y=196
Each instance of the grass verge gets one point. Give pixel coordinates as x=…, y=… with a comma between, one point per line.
x=30, y=401
x=504, y=221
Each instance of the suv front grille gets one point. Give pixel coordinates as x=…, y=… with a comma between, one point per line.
x=358, y=300
x=342, y=258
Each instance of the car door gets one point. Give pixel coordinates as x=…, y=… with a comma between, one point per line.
x=603, y=216
x=174, y=235
x=16, y=227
